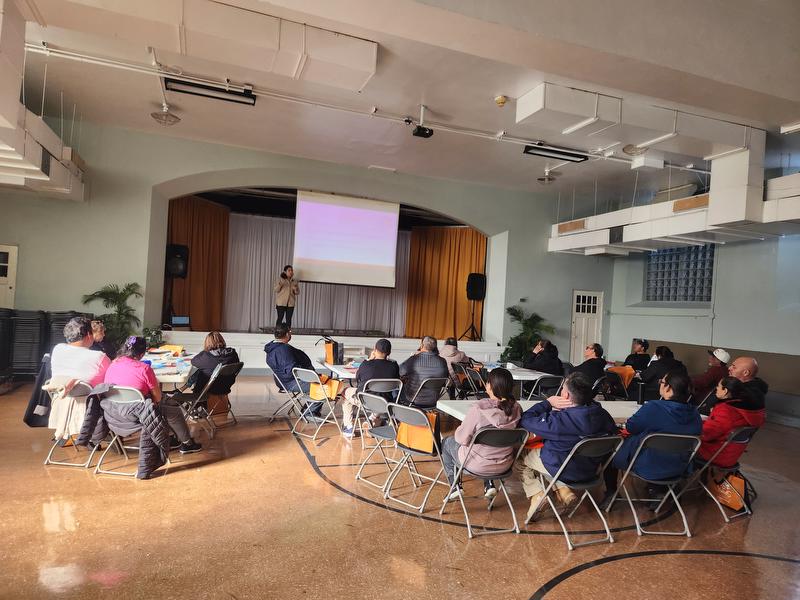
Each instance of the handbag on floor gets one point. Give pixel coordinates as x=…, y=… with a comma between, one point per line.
x=725, y=490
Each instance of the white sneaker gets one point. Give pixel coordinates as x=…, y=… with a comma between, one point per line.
x=490, y=492
x=455, y=495
x=348, y=432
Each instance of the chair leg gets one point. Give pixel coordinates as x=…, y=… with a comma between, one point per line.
x=641, y=531
x=289, y=403
x=83, y=465
x=99, y=470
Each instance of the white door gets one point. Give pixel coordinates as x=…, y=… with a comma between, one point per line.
x=587, y=322
x=8, y=275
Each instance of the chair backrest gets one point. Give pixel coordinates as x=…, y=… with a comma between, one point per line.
x=593, y=447
x=207, y=388
x=408, y=415
x=615, y=385
x=373, y=403
x=80, y=390
x=671, y=443
x=706, y=398
x=500, y=438
x=547, y=385
x=597, y=386
x=742, y=435
x=230, y=370
x=383, y=386
x=437, y=384
x=124, y=395
x=305, y=376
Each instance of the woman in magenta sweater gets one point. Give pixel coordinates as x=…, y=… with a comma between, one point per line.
x=499, y=410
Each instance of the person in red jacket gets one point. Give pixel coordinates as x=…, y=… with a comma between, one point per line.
x=706, y=383
x=735, y=408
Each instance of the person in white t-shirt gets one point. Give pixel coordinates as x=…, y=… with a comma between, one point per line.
x=74, y=361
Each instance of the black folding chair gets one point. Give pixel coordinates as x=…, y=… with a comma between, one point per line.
x=740, y=435
x=437, y=384
x=195, y=406
x=79, y=392
x=293, y=402
x=684, y=446
x=414, y=417
x=546, y=386
x=613, y=388
x=470, y=382
x=597, y=386
x=602, y=448
x=231, y=370
x=495, y=438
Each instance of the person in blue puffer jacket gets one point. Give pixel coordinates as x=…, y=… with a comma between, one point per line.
x=671, y=414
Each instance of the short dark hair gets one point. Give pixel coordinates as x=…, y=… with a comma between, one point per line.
x=597, y=349
x=281, y=331
x=451, y=341
x=383, y=346
x=133, y=347
x=551, y=349
x=642, y=342
x=664, y=352
x=76, y=329
x=580, y=388
x=681, y=385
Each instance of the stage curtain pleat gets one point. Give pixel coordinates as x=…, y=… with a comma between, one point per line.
x=203, y=227
x=441, y=259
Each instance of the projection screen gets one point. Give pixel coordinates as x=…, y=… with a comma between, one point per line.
x=339, y=239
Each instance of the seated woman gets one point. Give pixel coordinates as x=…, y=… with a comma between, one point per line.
x=214, y=353
x=671, y=414
x=451, y=354
x=99, y=341
x=638, y=359
x=127, y=370
x=734, y=409
x=499, y=410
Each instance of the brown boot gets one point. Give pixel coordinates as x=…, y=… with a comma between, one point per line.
x=567, y=498
x=543, y=509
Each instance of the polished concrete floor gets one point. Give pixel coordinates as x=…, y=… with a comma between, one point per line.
x=260, y=514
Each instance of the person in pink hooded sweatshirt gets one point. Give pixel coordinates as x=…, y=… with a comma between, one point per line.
x=499, y=410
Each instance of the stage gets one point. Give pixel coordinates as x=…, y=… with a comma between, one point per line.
x=250, y=346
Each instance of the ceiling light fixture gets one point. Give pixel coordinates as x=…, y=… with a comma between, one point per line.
x=586, y=122
x=661, y=138
x=207, y=91
x=790, y=128
x=165, y=117
x=539, y=149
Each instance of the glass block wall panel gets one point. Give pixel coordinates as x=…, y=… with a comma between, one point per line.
x=680, y=274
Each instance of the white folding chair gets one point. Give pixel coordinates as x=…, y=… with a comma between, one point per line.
x=740, y=435
x=382, y=387
x=495, y=438
x=546, y=386
x=414, y=417
x=684, y=446
x=79, y=393
x=120, y=395
x=312, y=377
x=437, y=384
x=602, y=449
x=385, y=437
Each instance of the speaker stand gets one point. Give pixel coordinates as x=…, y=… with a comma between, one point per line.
x=471, y=333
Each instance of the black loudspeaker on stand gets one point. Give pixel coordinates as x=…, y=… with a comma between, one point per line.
x=176, y=265
x=476, y=291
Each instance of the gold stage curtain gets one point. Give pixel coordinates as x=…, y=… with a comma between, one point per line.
x=203, y=227
x=441, y=259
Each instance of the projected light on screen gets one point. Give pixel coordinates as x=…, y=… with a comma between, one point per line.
x=339, y=239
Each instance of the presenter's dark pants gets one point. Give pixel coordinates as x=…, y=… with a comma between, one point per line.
x=288, y=311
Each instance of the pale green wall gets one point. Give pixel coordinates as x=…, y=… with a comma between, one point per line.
x=118, y=235
x=755, y=305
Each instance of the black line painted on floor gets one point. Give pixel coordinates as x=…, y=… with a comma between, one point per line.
x=313, y=462
x=548, y=587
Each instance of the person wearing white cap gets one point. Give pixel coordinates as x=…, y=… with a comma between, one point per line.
x=717, y=369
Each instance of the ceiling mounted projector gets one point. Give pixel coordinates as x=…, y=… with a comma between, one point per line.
x=420, y=130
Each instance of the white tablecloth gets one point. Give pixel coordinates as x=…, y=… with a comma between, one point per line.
x=620, y=411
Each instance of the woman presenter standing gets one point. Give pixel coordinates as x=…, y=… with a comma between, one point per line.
x=286, y=291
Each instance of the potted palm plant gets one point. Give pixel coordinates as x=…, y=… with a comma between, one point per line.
x=533, y=329
x=121, y=321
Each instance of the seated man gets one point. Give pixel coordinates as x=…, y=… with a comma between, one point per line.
x=70, y=363
x=282, y=358
x=745, y=369
x=594, y=367
x=638, y=359
x=377, y=366
x=424, y=364
x=563, y=421
x=717, y=369
x=74, y=360
x=544, y=358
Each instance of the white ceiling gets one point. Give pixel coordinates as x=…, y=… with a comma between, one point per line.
x=457, y=87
